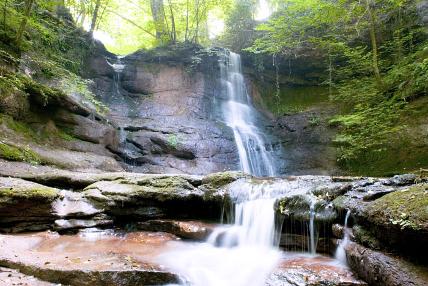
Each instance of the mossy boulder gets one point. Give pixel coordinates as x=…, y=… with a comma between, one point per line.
x=299, y=208
x=12, y=190
x=406, y=209
x=25, y=205
x=155, y=196
x=218, y=180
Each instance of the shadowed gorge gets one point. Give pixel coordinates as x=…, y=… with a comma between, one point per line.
x=213, y=143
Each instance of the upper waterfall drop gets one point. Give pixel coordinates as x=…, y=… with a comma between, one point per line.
x=241, y=116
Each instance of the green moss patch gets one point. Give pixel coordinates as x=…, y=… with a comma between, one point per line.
x=30, y=193
x=218, y=180
x=13, y=153
x=407, y=209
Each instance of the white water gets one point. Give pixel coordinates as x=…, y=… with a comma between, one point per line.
x=243, y=253
x=312, y=247
x=239, y=114
x=340, y=252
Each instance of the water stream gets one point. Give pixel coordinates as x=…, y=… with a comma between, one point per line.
x=241, y=116
x=340, y=252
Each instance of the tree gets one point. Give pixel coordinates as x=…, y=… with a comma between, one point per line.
x=95, y=16
x=158, y=14
x=22, y=26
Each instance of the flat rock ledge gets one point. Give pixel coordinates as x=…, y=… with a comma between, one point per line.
x=91, y=259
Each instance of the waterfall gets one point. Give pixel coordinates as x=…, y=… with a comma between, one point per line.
x=241, y=116
x=245, y=251
x=312, y=247
x=340, y=252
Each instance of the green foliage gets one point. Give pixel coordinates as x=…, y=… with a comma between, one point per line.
x=373, y=77
x=175, y=21
x=314, y=121
x=375, y=115
x=240, y=26
x=73, y=84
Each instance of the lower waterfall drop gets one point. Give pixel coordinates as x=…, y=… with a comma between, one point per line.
x=340, y=252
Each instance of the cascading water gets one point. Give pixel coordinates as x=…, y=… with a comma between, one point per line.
x=312, y=246
x=340, y=252
x=241, y=116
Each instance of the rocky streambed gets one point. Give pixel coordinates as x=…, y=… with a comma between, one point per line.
x=111, y=228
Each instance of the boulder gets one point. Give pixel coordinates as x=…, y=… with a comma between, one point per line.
x=25, y=203
x=319, y=270
x=380, y=269
x=90, y=258
x=154, y=196
x=194, y=230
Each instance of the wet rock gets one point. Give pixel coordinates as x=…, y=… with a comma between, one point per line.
x=26, y=203
x=384, y=270
x=185, y=229
x=88, y=129
x=398, y=220
x=402, y=180
x=320, y=270
x=373, y=195
x=102, y=259
x=331, y=191
x=218, y=180
x=299, y=208
x=73, y=205
x=154, y=196
x=298, y=242
x=13, y=277
x=337, y=230
x=179, y=132
x=71, y=224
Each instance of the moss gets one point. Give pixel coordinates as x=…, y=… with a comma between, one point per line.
x=291, y=100
x=13, y=153
x=365, y=237
x=218, y=180
x=339, y=202
x=407, y=209
x=36, y=193
x=167, y=183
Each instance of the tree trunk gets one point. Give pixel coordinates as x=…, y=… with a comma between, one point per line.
x=4, y=14
x=373, y=40
x=95, y=16
x=21, y=30
x=173, y=31
x=186, y=35
x=158, y=17
x=196, y=36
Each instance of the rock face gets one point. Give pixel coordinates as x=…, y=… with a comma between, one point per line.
x=164, y=103
x=379, y=269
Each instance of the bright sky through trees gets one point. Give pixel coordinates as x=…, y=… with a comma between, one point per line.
x=128, y=25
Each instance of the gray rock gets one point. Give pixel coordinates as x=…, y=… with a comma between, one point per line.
x=194, y=230
x=384, y=270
